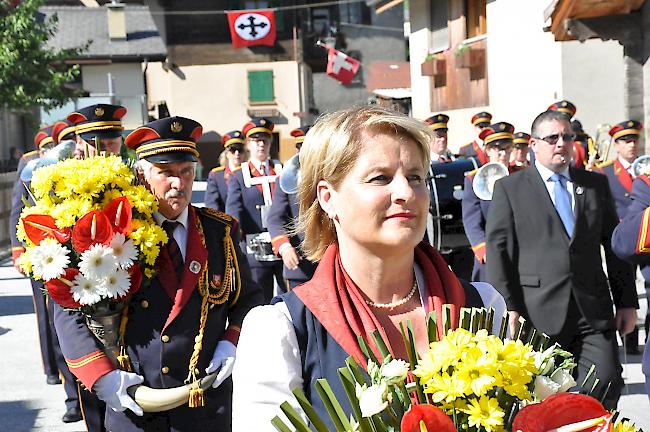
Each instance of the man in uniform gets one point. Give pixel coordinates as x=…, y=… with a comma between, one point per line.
x=497, y=139
x=438, y=146
x=62, y=131
x=519, y=156
x=283, y=212
x=475, y=148
x=53, y=361
x=187, y=321
x=569, y=110
x=619, y=174
x=250, y=194
x=231, y=158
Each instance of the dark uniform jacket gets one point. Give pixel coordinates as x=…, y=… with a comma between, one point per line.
x=620, y=183
x=475, y=211
x=473, y=150
x=17, y=205
x=284, y=211
x=217, y=188
x=162, y=326
x=537, y=267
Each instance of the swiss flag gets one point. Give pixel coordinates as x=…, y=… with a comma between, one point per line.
x=252, y=27
x=341, y=66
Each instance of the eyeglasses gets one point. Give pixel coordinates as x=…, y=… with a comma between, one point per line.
x=553, y=139
x=441, y=133
x=298, y=146
x=234, y=149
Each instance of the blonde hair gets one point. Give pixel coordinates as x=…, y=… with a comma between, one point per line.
x=329, y=152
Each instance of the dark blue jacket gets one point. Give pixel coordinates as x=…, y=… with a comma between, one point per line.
x=620, y=183
x=475, y=213
x=216, y=190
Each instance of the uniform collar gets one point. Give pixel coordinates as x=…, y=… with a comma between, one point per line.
x=625, y=164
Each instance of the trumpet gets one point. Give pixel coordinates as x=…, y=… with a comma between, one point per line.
x=599, y=146
x=486, y=176
x=641, y=165
x=290, y=177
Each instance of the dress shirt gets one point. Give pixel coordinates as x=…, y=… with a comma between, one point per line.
x=550, y=184
x=257, y=164
x=626, y=165
x=180, y=232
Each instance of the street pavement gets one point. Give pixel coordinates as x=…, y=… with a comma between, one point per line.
x=27, y=403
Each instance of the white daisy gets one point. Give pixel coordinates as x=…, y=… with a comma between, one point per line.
x=98, y=262
x=117, y=284
x=124, y=250
x=87, y=291
x=49, y=259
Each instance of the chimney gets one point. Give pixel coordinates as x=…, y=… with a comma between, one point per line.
x=116, y=21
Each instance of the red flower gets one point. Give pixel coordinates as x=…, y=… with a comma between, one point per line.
x=59, y=289
x=433, y=419
x=39, y=227
x=92, y=228
x=562, y=409
x=119, y=214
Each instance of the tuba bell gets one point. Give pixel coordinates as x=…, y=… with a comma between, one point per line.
x=599, y=146
x=290, y=177
x=485, y=177
x=641, y=165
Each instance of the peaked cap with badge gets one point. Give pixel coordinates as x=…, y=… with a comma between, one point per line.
x=43, y=137
x=521, y=138
x=167, y=140
x=258, y=125
x=626, y=128
x=100, y=120
x=63, y=130
x=482, y=117
x=438, y=121
x=299, y=133
x=497, y=133
x=232, y=137
x=564, y=106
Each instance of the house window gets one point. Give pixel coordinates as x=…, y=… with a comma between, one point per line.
x=439, y=25
x=260, y=86
x=476, y=24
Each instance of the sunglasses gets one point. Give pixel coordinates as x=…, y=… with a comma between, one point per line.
x=298, y=146
x=553, y=139
x=235, y=148
x=440, y=133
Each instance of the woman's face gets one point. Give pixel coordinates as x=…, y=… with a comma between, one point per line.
x=382, y=203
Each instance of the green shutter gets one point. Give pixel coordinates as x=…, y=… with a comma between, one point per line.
x=260, y=86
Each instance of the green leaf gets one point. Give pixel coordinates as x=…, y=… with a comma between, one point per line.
x=446, y=317
x=366, y=350
x=408, y=336
x=332, y=405
x=279, y=425
x=489, y=321
x=294, y=417
x=381, y=344
x=310, y=412
x=349, y=381
x=356, y=371
x=503, y=328
x=432, y=327
x=465, y=318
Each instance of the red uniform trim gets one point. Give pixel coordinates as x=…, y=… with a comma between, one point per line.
x=232, y=334
x=278, y=241
x=643, y=245
x=256, y=173
x=90, y=367
x=480, y=153
x=479, y=251
x=623, y=175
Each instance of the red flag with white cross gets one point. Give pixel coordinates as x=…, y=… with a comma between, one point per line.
x=341, y=66
x=252, y=27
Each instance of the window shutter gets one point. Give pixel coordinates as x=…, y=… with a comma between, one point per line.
x=260, y=86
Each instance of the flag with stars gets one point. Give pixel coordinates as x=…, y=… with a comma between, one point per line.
x=341, y=66
x=252, y=27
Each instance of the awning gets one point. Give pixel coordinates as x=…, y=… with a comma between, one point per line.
x=393, y=93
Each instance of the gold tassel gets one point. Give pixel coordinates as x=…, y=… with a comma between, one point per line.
x=196, y=398
x=124, y=361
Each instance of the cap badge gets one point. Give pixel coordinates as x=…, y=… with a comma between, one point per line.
x=502, y=126
x=195, y=267
x=262, y=122
x=99, y=111
x=579, y=190
x=630, y=123
x=564, y=104
x=176, y=127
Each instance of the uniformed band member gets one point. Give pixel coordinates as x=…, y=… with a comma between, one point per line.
x=438, y=146
x=53, y=361
x=476, y=148
x=98, y=128
x=283, y=213
x=619, y=174
x=250, y=194
x=63, y=130
x=498, y=142
x=519, y=156
x=580, y=145
x=229, y=160
x=163, y=327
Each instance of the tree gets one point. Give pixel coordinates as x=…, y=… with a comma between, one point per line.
x=30, y=72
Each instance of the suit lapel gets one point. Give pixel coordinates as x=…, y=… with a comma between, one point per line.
x=579, y=196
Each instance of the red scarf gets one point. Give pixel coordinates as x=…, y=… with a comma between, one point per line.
x=336, y=301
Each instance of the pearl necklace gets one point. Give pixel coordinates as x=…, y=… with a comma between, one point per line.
x=393, y=305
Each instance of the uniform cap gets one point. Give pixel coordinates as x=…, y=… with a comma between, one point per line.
x=628, y=127
x=482, y=117
x=564, y=106
x=521, y=138
x=169, y=139
x=63, y=130
x=496, y=133
x=43, y=137
x=233, y=137
x=299, y=133
x=438, y=121
x=258, y=125
x=100, y=120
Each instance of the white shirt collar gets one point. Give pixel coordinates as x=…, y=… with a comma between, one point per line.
x=182, y=218
x=626, y=165
x=547, y=173
x=257, y=164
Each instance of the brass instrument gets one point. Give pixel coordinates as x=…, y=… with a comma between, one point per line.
x=599, y=146
x=641, y=165
x=485, y=177
x=290, y=177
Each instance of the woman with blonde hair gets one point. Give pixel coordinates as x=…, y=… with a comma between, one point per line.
x=363, y=210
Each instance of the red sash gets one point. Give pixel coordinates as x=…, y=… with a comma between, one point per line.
x=623, y=175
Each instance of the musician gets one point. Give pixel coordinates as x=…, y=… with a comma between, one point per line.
x=625, y=136
x=476, y=149
x=498, y=141
x=177, y=325
x=98, y=129
x=230, y=159
x=250, y=194
x=438, y=145
x=283, y=214
x=53, y=362
x=519, y=157
x=580, y=145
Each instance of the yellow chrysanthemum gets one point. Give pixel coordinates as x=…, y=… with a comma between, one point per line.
x=477, y=372
x=515, y=384
x=445, y=388
x=485, y=414
x=443, y=354
x=624, y=426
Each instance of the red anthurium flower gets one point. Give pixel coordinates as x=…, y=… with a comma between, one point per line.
x=581, y=412
x=119, y=214
x=39, y=227
x=92, y=228
x=59, y=289
x=432, y=418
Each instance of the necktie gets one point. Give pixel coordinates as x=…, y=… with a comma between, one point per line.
x=262, y=169
x=563, y=202
x=173, y=249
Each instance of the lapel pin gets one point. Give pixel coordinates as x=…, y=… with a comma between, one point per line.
x=195, y=267
x=579, y=190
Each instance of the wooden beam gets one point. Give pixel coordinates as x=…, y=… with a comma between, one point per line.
x=386, y=6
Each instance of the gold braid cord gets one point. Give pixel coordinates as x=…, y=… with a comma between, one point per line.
x=123, y=360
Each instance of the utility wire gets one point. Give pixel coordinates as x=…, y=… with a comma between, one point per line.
x=279, y=8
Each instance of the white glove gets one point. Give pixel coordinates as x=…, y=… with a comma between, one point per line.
x=111, y=388
x=224, y=358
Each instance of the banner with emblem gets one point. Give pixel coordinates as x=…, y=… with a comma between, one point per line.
x=341, y=66
x=252, y=27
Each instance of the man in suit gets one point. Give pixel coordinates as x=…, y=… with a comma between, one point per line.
x=231, y=158
x=544, y=236
x=475, y=149
x=186, y=322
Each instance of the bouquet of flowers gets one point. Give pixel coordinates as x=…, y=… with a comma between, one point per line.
x=91, y=238
x=468, y=380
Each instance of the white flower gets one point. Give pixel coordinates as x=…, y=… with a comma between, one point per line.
x=564, y=379
x=544, y=387
x=373, y=399
x=124, y=250
x=117, y=284
x=98, y=262
x=395, y=371
x=49, y=259
x=87, y=291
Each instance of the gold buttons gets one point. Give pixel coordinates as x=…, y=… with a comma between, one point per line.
x=144, y=304
x=165, y=338
x=164, y=370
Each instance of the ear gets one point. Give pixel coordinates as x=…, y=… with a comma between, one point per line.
x=326, y=194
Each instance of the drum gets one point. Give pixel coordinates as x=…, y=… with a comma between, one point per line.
x=260, y=246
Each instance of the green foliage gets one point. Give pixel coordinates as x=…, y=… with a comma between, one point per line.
x=30, y=73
